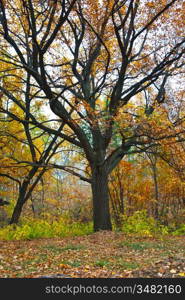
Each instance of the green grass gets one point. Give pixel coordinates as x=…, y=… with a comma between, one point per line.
x=54, y=249
x=73, y=247
x=74, y=264
x=38, y=259
x=140, y=246
x=127, y=265
x=57, y=250
x=101, y=263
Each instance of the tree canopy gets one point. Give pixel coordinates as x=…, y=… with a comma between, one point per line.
x=106, y=69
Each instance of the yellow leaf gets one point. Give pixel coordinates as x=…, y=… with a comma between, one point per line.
x=150, y=4
x=182, y=274
x=64, y=266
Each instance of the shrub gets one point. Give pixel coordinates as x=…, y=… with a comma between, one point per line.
x=140, y=223
x=180, y=230
x=31, y=228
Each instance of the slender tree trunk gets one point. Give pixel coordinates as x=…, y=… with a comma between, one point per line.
x=43, y=192
x=156, y=204
x=32, y=206
x=101, y=211
x=25, y=193
x=16, y=213
x=19, y=205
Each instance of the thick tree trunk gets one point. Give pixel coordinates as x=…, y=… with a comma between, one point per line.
x=101, y=211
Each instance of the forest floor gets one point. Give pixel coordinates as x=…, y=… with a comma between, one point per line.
x=102, y=255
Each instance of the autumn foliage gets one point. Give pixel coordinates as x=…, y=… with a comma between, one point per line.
x=94, y=89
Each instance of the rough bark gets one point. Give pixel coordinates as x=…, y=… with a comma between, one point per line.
x=19, y=205
x=101, y=212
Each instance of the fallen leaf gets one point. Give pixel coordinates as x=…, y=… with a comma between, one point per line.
x=181, y=274
x=173, y=271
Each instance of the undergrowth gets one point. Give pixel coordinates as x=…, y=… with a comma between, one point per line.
x=31, y=228
x=141, y=224
x=48, y=226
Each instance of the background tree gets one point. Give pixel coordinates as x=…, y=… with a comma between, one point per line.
x=25, y=156
x=25, y=150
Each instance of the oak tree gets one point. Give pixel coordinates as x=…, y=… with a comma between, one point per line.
x=89, y=60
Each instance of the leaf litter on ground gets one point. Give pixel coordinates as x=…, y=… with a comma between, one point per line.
x=99, y=255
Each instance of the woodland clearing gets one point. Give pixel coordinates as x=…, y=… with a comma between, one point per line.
x=99, y=255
